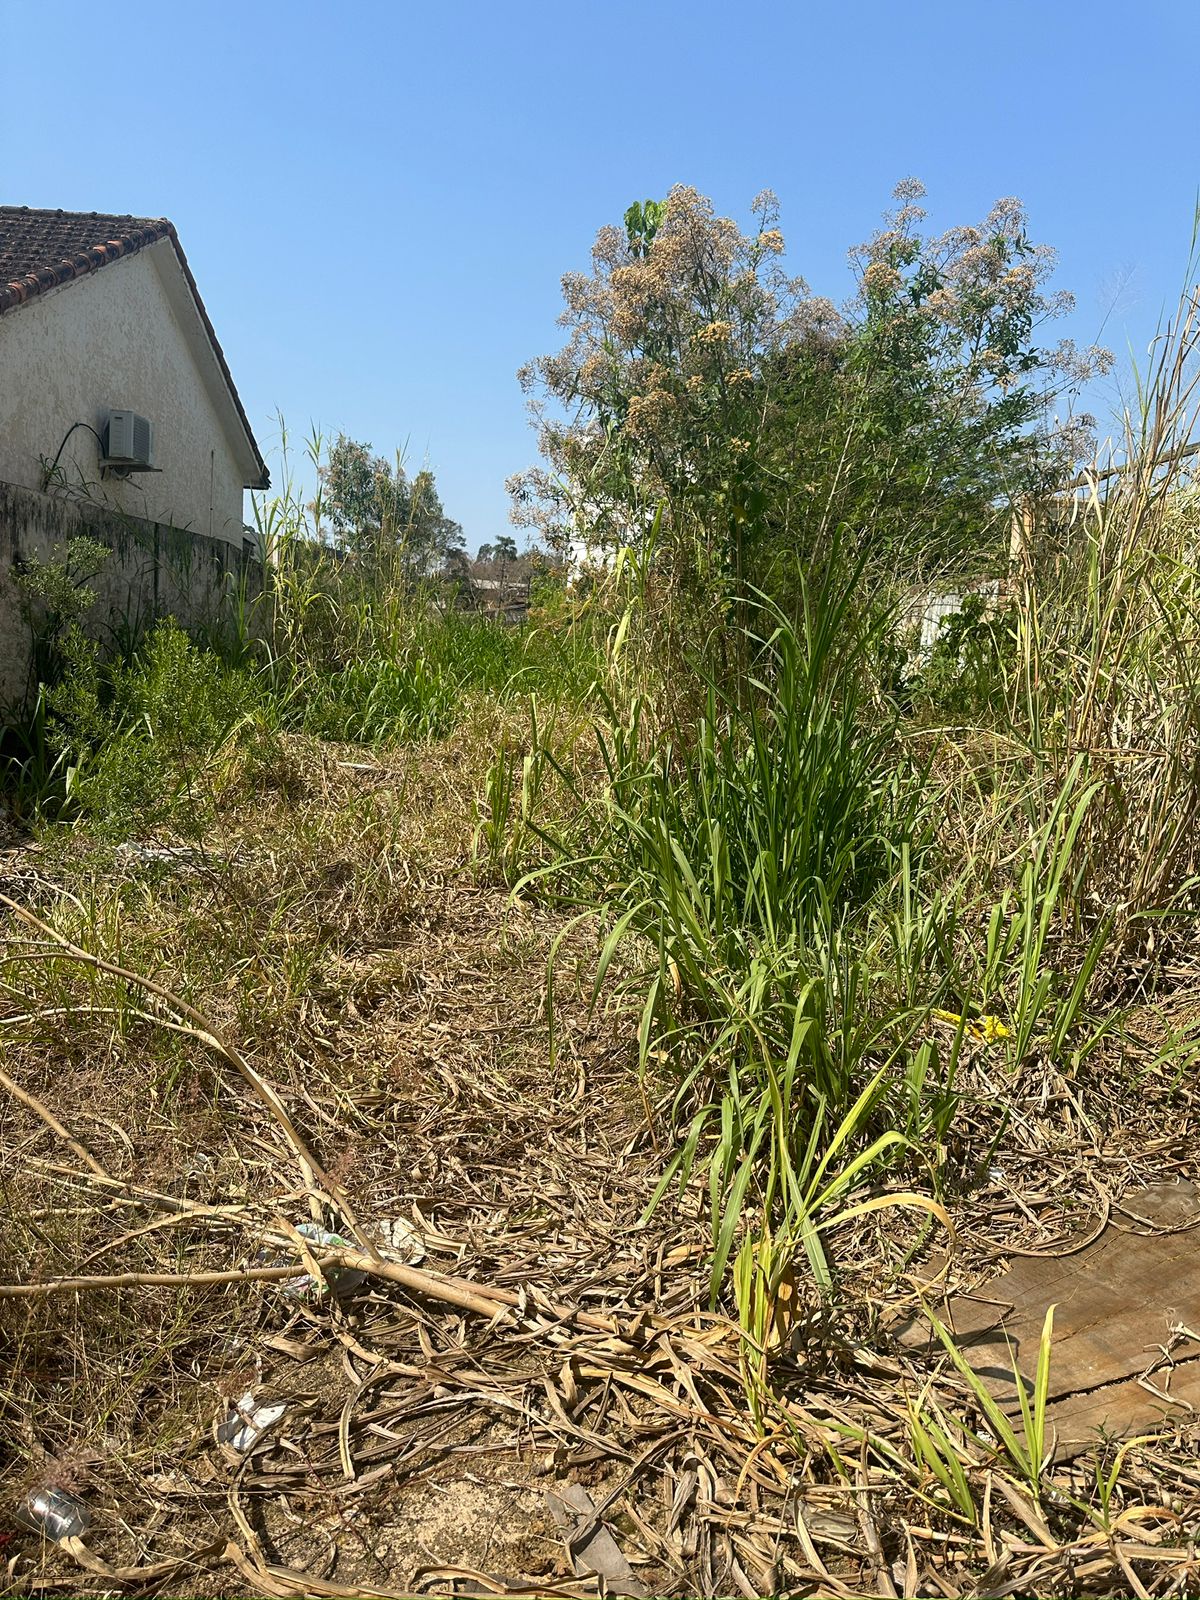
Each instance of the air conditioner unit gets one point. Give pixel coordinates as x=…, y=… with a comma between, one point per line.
x=128, y=443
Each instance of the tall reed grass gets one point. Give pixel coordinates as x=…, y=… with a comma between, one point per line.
x=335, y=647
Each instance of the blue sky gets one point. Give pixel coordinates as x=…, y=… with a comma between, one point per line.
x=378, y=200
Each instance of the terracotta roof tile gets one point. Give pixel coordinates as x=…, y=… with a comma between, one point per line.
x=39, y=250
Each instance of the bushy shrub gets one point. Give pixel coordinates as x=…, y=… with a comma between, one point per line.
x=137, y=736
x=54, y=595
x=707, y=403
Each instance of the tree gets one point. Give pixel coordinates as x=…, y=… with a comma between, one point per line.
x=707, y=393
x=941, y=373
x=366, y=498
x=381, y=516
x=430, y=537
x=502, y=549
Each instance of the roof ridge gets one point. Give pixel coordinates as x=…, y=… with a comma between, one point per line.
x=66, y=258
x=70, y=211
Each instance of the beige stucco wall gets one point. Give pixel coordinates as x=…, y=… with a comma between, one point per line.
x=115, y=340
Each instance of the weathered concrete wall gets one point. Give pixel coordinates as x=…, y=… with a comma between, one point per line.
x=155, y=570
x=119, y=339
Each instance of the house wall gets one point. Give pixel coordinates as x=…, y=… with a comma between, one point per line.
x=113, y=341
x=927, y=610
x=153, y=570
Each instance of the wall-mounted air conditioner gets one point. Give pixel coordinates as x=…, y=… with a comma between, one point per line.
x=128, y=443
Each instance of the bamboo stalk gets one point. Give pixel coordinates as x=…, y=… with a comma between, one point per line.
x=482, y=1299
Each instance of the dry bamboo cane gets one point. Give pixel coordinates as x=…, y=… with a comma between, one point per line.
x=482, y=1299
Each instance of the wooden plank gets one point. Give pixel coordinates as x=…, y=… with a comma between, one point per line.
x=1121, y=1301
x=1124, y=1409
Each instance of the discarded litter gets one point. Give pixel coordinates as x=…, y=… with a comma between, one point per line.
x=341, y=1280
x=145, y=853
x=985, y=1026
x=400, y=1238
x=247, y=1421
x=53, y=1513
x=1109, y=1286
x=590, y=1542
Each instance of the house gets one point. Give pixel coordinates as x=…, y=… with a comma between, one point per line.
x=504, y=598
x=103, y=331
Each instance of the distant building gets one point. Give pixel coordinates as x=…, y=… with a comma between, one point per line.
x=504, y=598
x=928, y=610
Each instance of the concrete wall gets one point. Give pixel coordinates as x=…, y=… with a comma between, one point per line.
x=154, y=570
x=119, y=339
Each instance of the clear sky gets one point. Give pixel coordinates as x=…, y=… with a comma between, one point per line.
x=378, y=200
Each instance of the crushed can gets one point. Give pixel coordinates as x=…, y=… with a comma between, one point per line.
x=54, y=1513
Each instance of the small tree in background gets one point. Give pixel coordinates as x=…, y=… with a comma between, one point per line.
x=431, y=538
x=366, y=498
x=381, y=516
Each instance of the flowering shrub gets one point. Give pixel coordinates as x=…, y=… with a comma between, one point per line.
x=706, y=392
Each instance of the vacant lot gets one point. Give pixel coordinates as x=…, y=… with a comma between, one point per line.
x=691, y=1094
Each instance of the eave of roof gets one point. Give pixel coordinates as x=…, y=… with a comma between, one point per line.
x=81, y=265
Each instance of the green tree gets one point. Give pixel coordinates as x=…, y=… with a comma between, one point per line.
x=366, y=498
x=381, y=516
x=706, y=392
x=430, y=538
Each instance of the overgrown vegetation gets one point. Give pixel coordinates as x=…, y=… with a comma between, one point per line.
x=860, y=923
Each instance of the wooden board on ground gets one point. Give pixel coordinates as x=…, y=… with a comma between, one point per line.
x=1126, y=1349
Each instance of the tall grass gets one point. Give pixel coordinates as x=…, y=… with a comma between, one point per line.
x=739, y=862
x=333, y=647
x=1109, y=664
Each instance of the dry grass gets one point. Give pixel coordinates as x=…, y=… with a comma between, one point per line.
x=334, y=937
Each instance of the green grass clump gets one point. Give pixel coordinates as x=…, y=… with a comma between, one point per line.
x=378, y=702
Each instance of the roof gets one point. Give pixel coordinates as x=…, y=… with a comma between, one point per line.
x=39, y=250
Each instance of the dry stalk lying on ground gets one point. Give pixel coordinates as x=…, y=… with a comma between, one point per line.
x=186, y=1019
